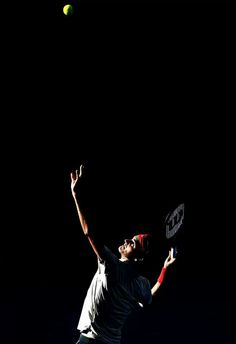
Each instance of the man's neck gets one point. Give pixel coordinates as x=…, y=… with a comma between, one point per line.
x=123, y=259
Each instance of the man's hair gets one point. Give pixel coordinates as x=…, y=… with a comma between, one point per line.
x=144, y=244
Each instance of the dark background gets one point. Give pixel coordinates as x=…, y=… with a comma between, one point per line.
x=144, y=99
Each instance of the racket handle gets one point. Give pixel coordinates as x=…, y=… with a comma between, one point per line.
x=175, y=251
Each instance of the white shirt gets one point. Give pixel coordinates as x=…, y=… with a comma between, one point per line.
x=116, y=289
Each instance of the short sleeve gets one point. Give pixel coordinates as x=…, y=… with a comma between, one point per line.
x=145, y=291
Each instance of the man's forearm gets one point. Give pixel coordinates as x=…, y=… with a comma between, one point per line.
x=159, y=281
x=81, y=216
x=155, y=288
x=97, y=248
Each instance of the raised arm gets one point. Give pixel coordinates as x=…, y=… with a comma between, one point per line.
x=168, y=261
x=75, y=180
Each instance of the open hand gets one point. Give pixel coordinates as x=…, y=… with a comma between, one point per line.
x=75, y=176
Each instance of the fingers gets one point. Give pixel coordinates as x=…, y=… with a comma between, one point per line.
x=80, y=170
x=170, y=259
x=74, y=175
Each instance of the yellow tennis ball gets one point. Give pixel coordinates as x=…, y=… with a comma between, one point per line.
x=68, y=9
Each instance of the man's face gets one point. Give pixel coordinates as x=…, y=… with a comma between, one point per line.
x=129, y=248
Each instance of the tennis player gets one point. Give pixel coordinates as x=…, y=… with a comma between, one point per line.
x=117, y=288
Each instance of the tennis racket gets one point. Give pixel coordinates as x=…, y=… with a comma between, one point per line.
x=173, y=222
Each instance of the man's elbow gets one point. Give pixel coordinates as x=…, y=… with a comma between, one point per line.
x=85, y=228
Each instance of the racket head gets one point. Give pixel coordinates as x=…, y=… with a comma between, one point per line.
x=173, y=221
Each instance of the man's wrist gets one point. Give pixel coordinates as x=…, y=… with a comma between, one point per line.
x=162, y=275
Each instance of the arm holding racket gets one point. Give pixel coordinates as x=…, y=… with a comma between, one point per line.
x=168, y=261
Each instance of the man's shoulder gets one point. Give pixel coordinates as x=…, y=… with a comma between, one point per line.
x=143, y=281
x=108, y=255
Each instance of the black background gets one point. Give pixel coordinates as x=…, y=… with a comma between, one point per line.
x=143, y=98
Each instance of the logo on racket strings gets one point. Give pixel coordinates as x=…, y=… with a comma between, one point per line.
x=174, y=220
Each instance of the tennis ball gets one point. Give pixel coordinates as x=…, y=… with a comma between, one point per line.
x=68, y=10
